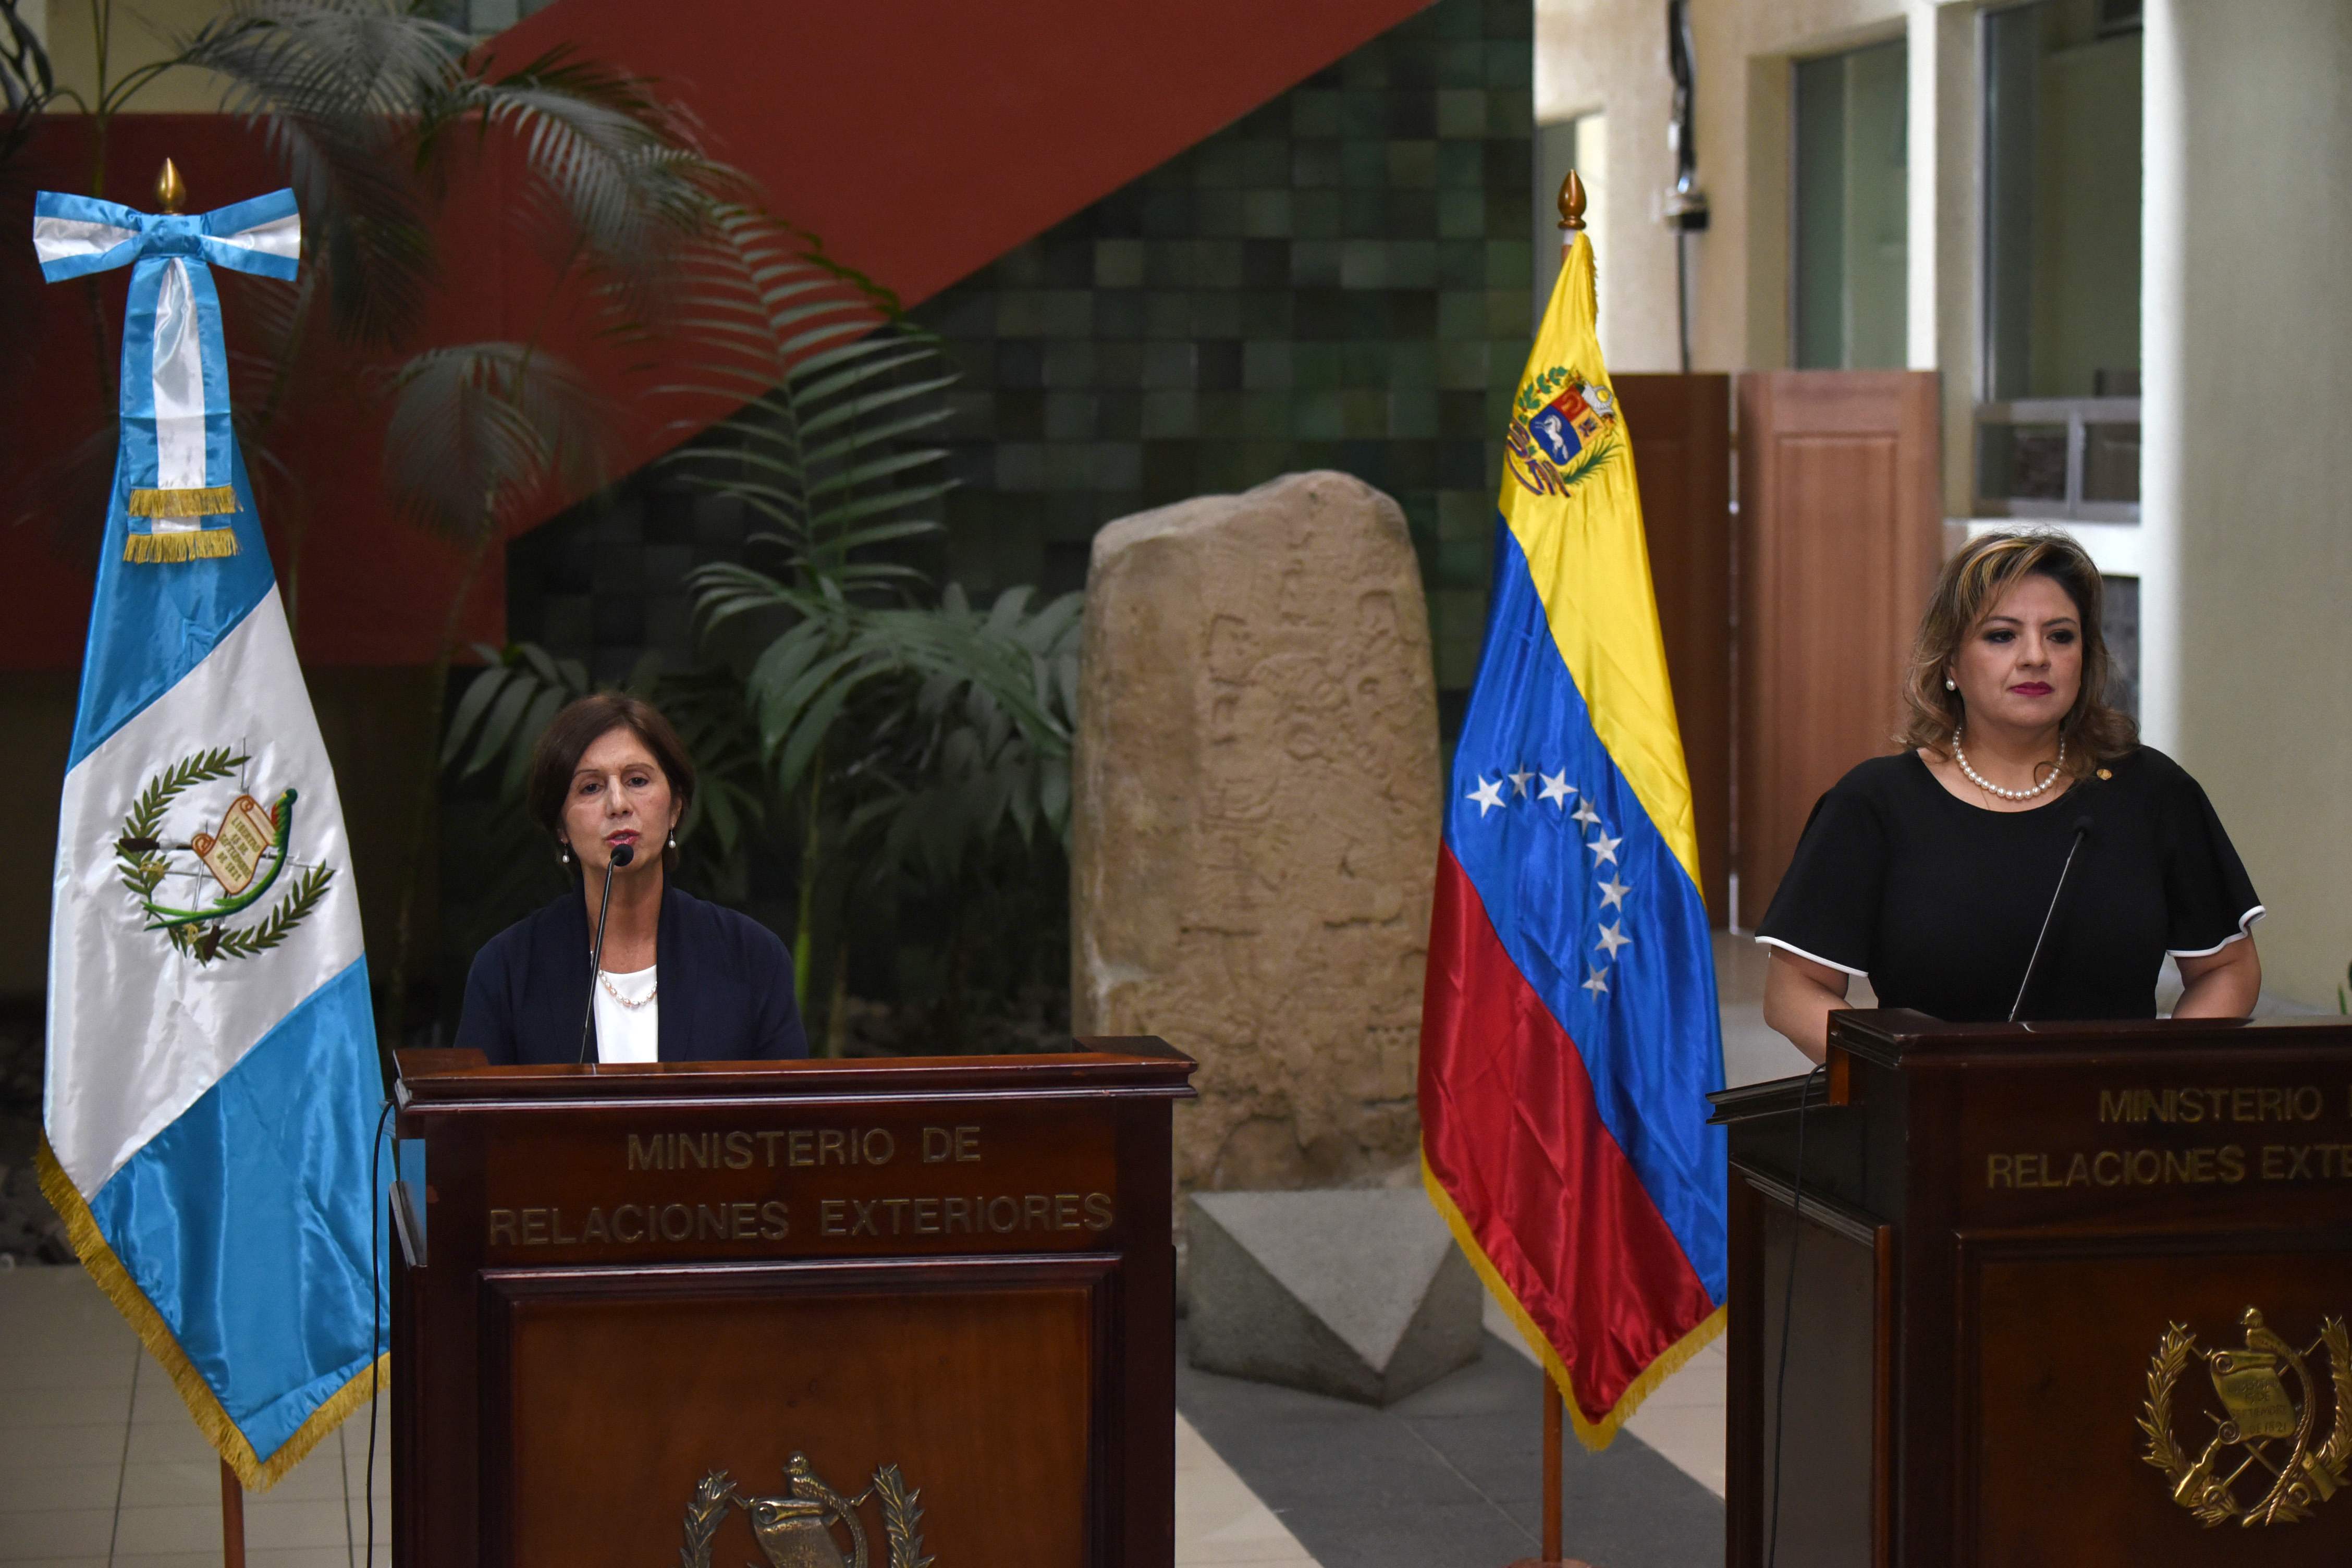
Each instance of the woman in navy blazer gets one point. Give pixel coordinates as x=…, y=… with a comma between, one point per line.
x=681, y=980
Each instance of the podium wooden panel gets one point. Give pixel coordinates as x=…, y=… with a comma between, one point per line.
x=614, y=1281
x=1999, y=1224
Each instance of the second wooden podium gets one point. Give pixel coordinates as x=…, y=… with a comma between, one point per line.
x=2044, y=1295
x=837, y=1314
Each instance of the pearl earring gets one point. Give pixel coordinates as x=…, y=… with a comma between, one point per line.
x=1951, y=685
x=673, y=838
x=563, y=854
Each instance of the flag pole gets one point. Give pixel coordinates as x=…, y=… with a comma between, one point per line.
x=232, y=1519
x=171, y=196
x=1553, y=1422
x=1571, y=223
x=1551, y=1471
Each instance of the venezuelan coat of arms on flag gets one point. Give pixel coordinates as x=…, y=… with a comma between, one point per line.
x=1570, y=1032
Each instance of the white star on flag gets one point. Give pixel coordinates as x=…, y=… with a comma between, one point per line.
x=1612, y=939
x=1487, y=796
x=1597, y=985
x=1585, y=814
x=1604, y=850
x=1613, y=892
x=1519, y=780
x=1556, y=789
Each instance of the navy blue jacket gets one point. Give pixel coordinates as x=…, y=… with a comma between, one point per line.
x=726, y=987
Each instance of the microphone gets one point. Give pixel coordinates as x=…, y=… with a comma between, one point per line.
x=622, y=855
x=2082, y=831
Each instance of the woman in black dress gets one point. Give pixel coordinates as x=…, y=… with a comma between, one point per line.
x=1929, y=871
x=680, y=980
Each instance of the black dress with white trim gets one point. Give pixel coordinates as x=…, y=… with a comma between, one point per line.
x=1938, y=902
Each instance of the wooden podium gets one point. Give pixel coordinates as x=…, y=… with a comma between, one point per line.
x=2024, y=1263
x=882, y=1311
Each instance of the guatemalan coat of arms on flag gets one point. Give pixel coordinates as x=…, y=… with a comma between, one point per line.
x=212, y=1084
x=1570, y=1030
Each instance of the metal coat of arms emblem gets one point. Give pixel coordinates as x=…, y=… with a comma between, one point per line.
x=2267, y=1436
x=809, y=1524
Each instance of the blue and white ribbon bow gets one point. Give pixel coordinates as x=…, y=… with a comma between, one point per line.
x=178, y=449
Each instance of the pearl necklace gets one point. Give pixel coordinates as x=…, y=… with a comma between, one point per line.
x=631, y=1002
x=1982, y=782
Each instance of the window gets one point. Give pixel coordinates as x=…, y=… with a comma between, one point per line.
x=1581, y=144
x=2058, y=425
x=2122, y=628
x=1850, y=224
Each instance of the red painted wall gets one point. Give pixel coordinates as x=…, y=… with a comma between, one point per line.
x=927, y=138
x=922, y=141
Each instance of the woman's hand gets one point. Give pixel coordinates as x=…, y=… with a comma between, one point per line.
x=2222, y=984
x=1798, y=997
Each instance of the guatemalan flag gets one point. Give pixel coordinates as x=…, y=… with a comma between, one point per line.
x=212, y=1082
x=1569, y=1032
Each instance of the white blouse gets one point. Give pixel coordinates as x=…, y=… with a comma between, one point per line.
x=627, y=1034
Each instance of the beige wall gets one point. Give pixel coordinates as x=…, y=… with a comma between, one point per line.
x=2248, y=333
x=1610, y=55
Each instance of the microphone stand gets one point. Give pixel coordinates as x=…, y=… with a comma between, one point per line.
x=622, y=855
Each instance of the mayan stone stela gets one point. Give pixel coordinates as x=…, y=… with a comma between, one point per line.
x=1256, y=822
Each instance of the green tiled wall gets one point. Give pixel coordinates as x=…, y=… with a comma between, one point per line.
x=1340, y=279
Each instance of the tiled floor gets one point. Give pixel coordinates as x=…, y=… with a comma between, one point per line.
x=1219, y=1519
x=99, y=1465
x=1449, y=1474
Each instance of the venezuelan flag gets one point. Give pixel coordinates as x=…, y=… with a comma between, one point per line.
x=1570, y=1031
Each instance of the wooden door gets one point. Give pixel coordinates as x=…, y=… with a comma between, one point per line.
x=1681, y=426
x=1840, y=536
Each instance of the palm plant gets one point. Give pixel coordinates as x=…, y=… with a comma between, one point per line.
x=898, y=731
x=27, y=86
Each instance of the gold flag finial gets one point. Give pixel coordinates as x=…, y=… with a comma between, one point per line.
x=1571, y=202
x=172, y=192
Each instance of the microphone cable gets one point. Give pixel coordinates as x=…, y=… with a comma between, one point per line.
x=2082, y=831
x=375, y=1299
x=1788, y=1317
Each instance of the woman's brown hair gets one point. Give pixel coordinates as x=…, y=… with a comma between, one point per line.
x=557, y=755
x=1973, y=582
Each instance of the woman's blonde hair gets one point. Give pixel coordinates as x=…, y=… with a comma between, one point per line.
x=1973, y=582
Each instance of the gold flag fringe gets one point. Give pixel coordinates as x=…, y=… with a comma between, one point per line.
x=220, y=1429
x=211, y=501
x=192, y=545
x=1594, y=1434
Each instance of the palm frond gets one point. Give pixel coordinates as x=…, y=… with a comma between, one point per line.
x=479, y=429
x=620, y=171
x=330, y=85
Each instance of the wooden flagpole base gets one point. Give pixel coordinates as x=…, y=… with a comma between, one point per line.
x=1551, y=1462
x=232, y=1519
